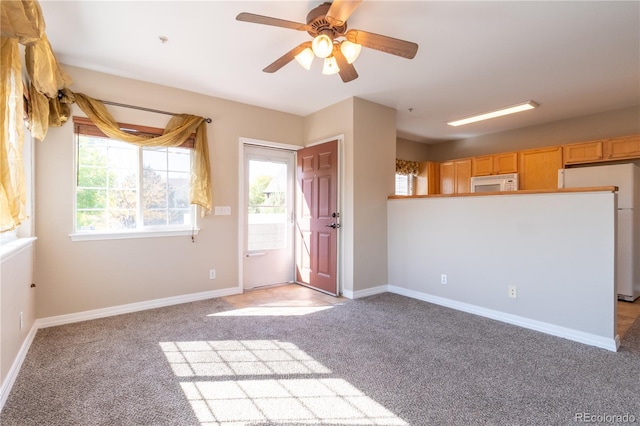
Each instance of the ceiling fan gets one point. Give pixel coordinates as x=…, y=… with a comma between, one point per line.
x=327, y=24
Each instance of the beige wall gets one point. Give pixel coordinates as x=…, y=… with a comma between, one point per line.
x=80, y=276
x=328, y=123
x=412, y=150
x=374, y=171
x=609, y=124
x=367, y=171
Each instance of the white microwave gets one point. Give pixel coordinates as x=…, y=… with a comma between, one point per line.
x=495, y=183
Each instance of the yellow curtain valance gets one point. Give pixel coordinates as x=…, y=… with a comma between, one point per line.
x=406, y=167
x=179, y=128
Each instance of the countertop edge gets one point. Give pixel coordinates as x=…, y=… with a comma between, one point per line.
x=521, y=192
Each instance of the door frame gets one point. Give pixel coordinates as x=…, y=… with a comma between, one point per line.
x=242, y=202
x=242, y=141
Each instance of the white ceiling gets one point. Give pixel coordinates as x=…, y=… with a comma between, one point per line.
x=573, y=58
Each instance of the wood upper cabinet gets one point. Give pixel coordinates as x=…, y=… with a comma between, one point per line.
x=505, y=163
x=538, y=168
x=583, y=152
x=455, y=177
x=482, y=166
x=622, y=148
x=428, y=179
x=495, y=164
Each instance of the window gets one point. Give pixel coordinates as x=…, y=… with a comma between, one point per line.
x=122, y=188
x=404, y=184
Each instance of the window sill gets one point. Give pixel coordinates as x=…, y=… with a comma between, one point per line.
x=96, y=236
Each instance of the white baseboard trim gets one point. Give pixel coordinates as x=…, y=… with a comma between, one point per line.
x=133, y=307
x=364, y=293
x=8, y=382
x=611, y=344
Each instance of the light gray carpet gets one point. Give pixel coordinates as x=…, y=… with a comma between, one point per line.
x=384, y=359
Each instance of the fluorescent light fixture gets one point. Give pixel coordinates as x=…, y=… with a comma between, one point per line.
x=493, y=114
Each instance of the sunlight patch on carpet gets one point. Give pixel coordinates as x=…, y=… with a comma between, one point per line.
x=228, y=400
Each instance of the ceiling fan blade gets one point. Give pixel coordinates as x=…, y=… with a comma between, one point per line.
x=340, y=11
x=347, y=71
x=266, y=20
x=386, y=44
x=287, y=57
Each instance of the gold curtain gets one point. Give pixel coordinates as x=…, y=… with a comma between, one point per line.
x=23, y=20
x=179, y=128
x=406, y=167
x=12, y=184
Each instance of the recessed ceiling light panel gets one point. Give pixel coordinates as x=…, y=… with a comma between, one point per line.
x=493, y=114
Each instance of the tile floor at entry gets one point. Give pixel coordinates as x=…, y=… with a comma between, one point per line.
x=293, y=295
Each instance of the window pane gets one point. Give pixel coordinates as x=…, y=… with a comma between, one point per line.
x=92, y=220
x=155, y=159
x=123, y=186
x=404, y=184
x=180, y=159
x=180, y=216
x=92, y=151
x=92, y=176
x=178, y=189
x=154, y=189
x=91, y=199
x=155, y=217
x=122, y=219
x=123, y=156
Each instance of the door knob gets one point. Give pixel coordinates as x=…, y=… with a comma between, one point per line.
x=333, y=225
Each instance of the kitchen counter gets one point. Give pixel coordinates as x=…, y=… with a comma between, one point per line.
x=522, y=192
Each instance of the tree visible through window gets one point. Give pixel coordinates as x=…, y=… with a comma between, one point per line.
x=121, y=186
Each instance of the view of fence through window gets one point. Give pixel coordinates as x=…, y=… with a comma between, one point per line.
x=267, y=205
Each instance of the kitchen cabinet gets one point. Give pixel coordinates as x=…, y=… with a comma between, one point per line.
x=496, y=164
x=428, y=179
x=538, y=168
x=583, y=152
x=455, y=177
x=622, y=148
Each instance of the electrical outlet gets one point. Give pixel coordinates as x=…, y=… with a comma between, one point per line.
x=443, y=278
x=212, y=274
x=512, y=291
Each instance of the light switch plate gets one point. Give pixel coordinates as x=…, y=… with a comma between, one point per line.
x=222, y=210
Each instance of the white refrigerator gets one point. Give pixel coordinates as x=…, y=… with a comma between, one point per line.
x=627, y=178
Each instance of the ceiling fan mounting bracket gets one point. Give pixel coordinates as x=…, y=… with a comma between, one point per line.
x=316, y=19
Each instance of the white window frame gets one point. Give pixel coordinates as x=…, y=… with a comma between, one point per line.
x=146, y=232
x=410, y=184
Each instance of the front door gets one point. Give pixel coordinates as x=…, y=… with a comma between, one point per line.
x=268, y=218
x=318, y=219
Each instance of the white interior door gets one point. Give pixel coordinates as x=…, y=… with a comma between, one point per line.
x=268, y=216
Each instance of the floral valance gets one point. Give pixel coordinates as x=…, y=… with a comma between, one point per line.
x=406, y=167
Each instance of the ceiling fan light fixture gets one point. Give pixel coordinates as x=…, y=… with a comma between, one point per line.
x=330, y=66
x=493, y=114
x=350, y=50
x=322, y=46
x=305, y=58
